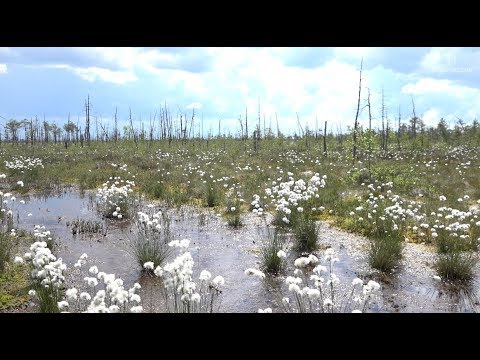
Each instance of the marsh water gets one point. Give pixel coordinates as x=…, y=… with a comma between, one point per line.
x=223, y=251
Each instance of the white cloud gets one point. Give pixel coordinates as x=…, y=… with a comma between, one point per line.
x=315, y=83
x=3, y=68
x=431, y=117
x=93, y=73
x=430, y=86
x=448, y=61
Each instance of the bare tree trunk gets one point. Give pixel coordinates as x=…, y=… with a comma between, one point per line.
x=115, y=135
x=388, y=130
x=383, y=123
x=354, y=152
x=132, y=131
x=325, y=139
x=278, y=129
x=246, y=123
x=87, y=120
x=370, y=135
x=96, y=128
x=398, y=132
x=414, y=125
x=258, y=128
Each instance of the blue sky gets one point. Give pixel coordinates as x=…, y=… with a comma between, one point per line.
x=316, y=83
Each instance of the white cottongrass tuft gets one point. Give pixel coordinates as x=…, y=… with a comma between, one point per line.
x=62, y=305
x=255, y=272
x=265, y=311
x=148, y=265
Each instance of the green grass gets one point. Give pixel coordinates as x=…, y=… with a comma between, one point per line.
x=153, y=249
x=14, y=286
x=384, y=253
x=456, y=266
x=272, y=244
x=306, y=235
x=6, y=245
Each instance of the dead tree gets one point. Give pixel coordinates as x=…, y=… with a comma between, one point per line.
x=115, y=134
x=369, y=135
x=246, y=124
x=325, y=139
x=278, y=129
x=383, y=122
x=87, y=120
x=354, y=152
x=303, y=133
x=414, y=120
x=398, y=131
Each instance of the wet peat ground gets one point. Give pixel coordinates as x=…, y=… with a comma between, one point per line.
x=228, y=252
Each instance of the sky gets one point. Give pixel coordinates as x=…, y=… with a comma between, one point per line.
x=318, y=84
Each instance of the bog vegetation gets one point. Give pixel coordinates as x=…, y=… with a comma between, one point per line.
x=404, y=182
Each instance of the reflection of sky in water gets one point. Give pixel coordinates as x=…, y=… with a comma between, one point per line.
x=222, y=251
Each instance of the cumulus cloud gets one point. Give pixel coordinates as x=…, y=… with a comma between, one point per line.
x=93, y=73
x=317, y=83
x=3, y=68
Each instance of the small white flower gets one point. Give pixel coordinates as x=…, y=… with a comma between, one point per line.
x=62, y=305
x=232, y=209
x=119, y=216
x=281, y=254
x=148, y=265
x=184, y=243
x=18, y=260
x=91, y=281
x=294, y=288
x=93, y=270
x=436, y=277
x=32, y=292
x=114, y=309
x=313, y=259
x=71, y=294
x=301, y=262
x=136, y=298
x=218, y=281
x=136, y=309
x=313, y=294
x=327, y=302
x=255, y=272
x=158, y=271
x=265, y=311
x=373, y=285
x=117, y=208
x=205, y=275
x=85, y=296
x=357, y=281
x=319, y=269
